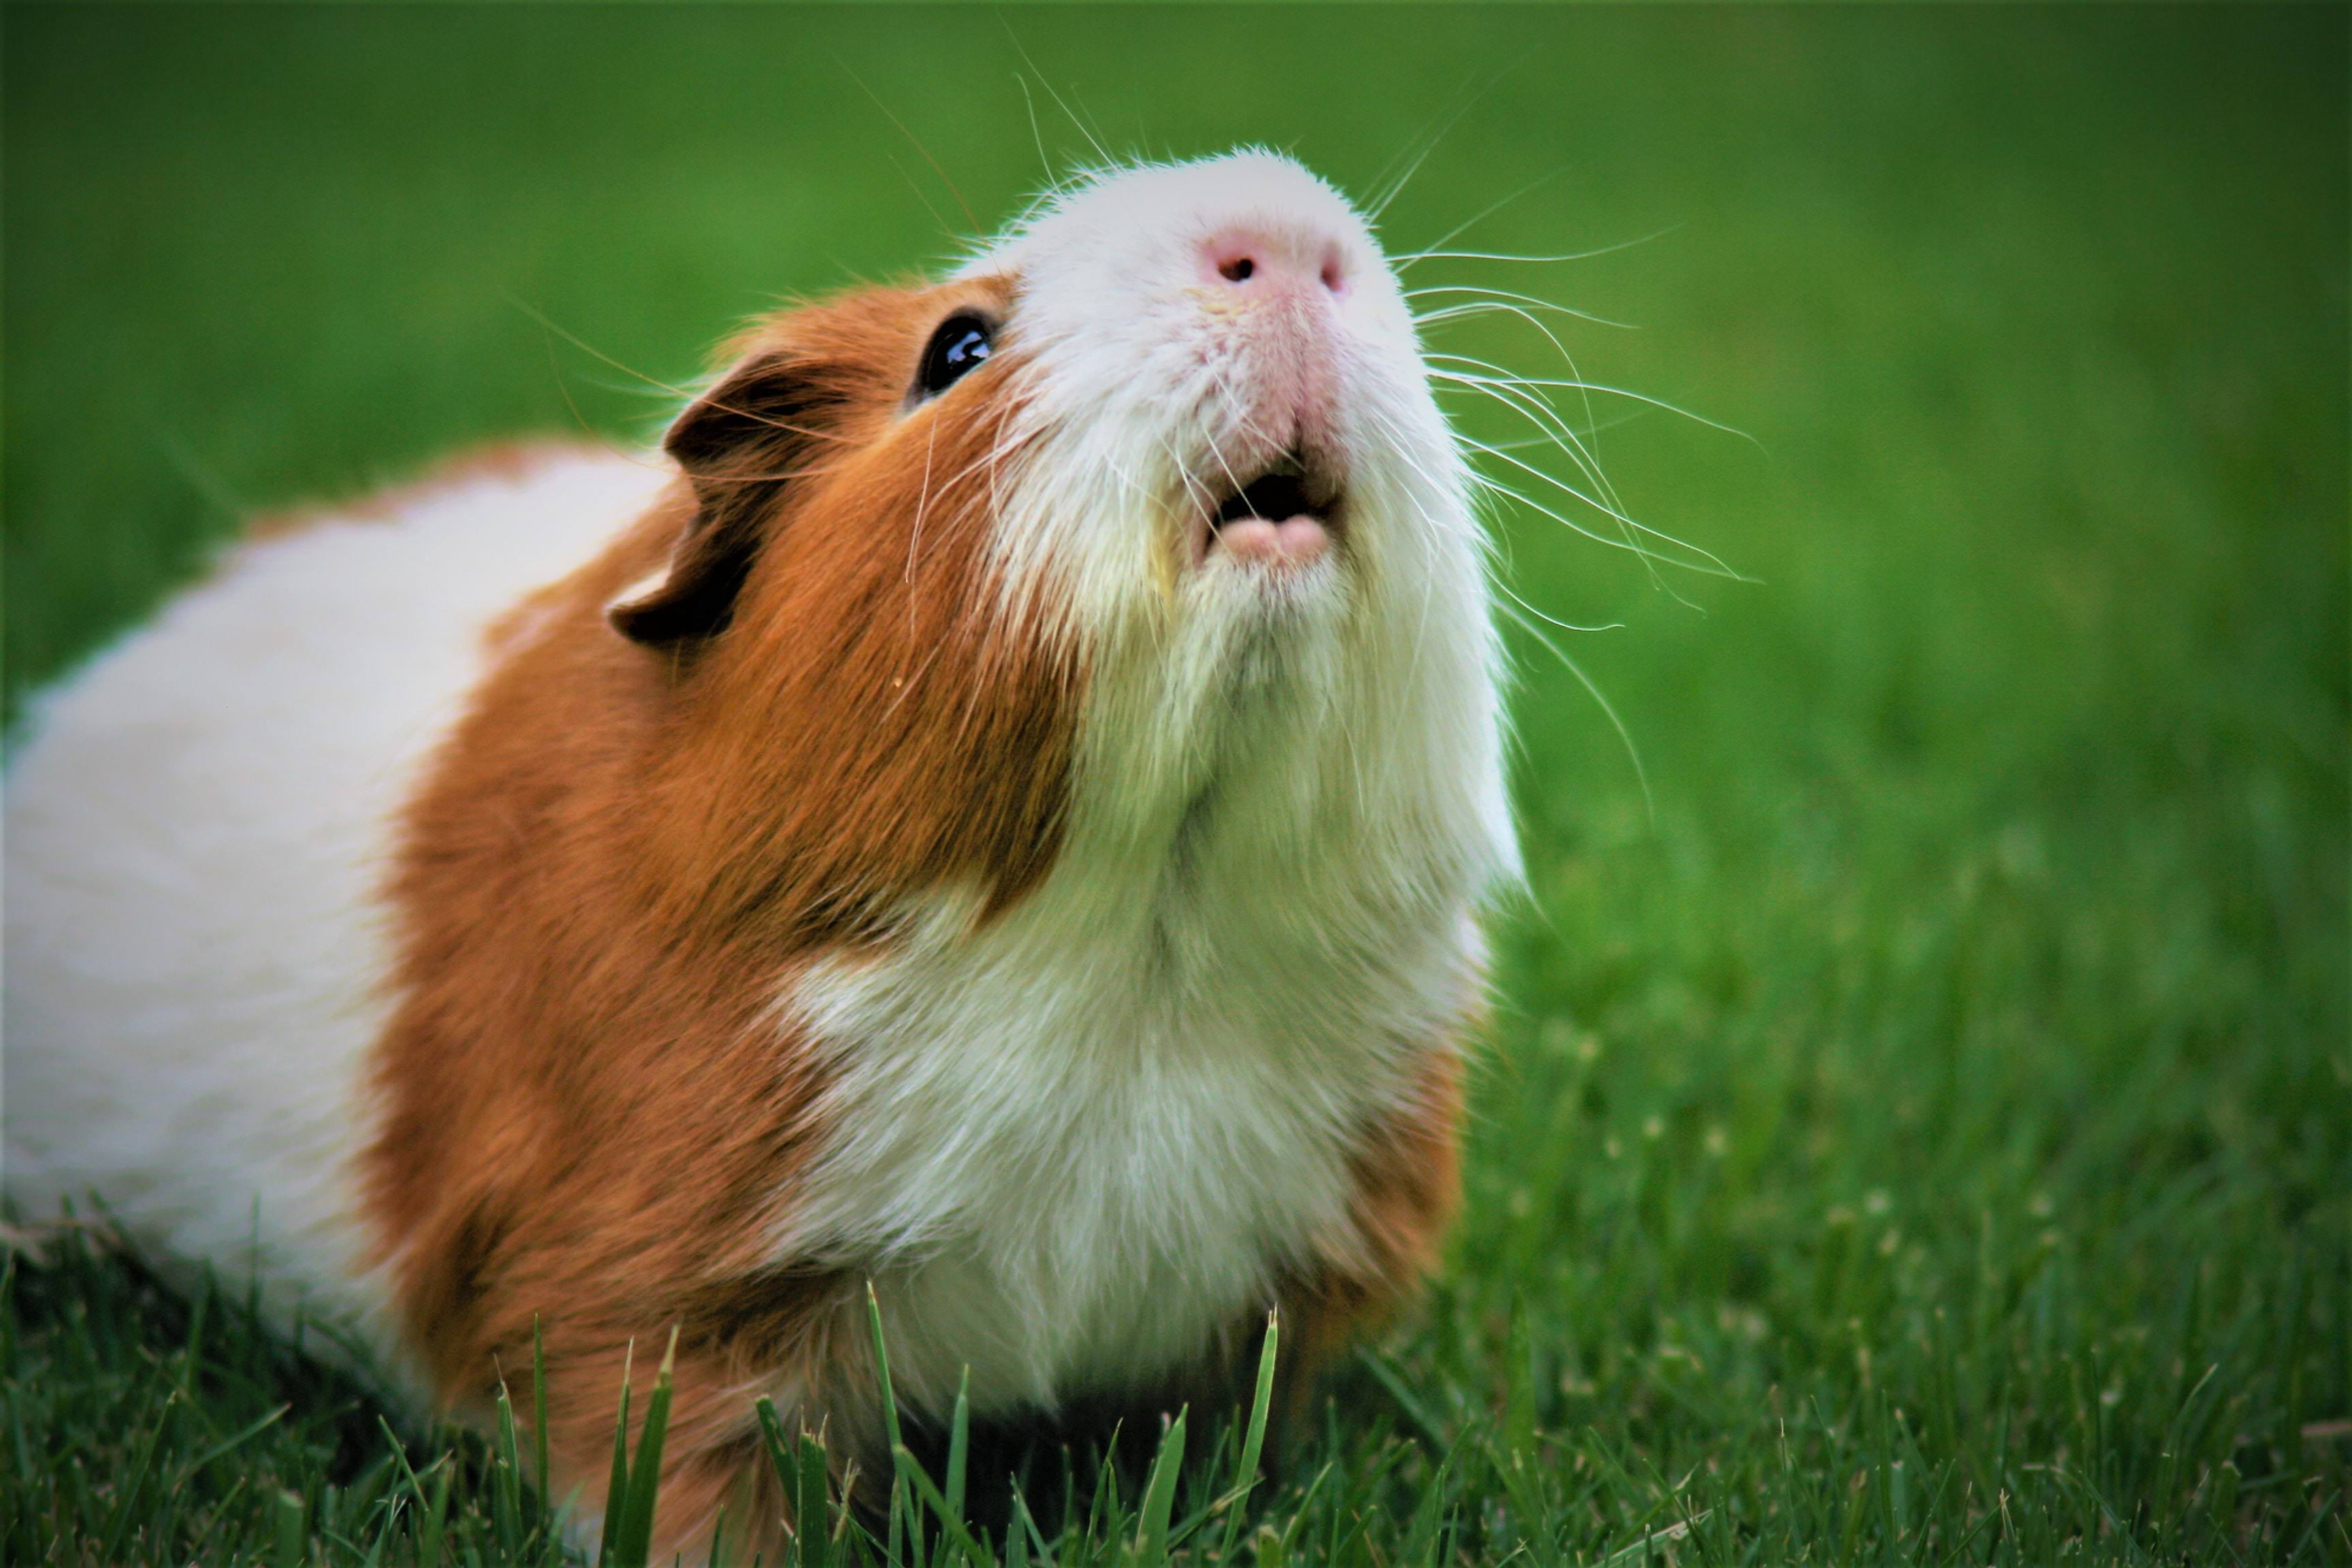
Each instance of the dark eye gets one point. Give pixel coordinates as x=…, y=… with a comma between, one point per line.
x=959, y=345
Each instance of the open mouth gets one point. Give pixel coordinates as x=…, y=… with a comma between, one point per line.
x=1285, y=516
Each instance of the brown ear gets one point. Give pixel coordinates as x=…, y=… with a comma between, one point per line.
x=740, y=444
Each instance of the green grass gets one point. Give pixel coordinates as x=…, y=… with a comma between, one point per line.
x=1922, y=1136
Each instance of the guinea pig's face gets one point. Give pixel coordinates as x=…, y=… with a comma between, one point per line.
x=1167, y=452
x=1234, y=484
x=1219, y=361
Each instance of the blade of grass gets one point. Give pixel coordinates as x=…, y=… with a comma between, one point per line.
x=430, y=1511
x=242, y=1436
x=436, y=1522
x=1253, y=1439
x=193, y=1356
x=899, y=1506
x=1029, y=1528
x=540, y=1476
x=911, y=1471
x=293, y=1531
x=506, y=1480
x=958, y=1445
x=616, y=1490
x=1394, y=1381
x=801, y=1468
x=400, y=1458
x=813, y=1503
x=1159, y=1496
x=1640, y=1549
x=1274, y=1548
x=120, y=1518
x=1428, y=1519
x=645, y=1469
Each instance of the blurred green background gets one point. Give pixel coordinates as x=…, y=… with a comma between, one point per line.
x=1962, y=1037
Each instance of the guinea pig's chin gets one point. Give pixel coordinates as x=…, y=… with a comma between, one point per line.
x=1271, y=580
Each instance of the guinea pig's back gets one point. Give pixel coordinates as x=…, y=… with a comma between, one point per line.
x=197, y=824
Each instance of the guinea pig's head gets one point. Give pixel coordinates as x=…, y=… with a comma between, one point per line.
x=1149, y=502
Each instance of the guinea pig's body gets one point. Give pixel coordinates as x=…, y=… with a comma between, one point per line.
x=997, y=811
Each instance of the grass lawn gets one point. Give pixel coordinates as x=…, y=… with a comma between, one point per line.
x=1918, y=1128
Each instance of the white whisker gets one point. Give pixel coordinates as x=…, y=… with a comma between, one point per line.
x=1523, y=443
x=1581, y=385
x=1589, y=460
x=1436, y=255
x=1401, y=264
x=1496, y=297
x=1538, y=411
x=1489, y=482
x=1633, y=752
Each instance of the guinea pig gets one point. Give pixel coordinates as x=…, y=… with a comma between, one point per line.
x=998, y=809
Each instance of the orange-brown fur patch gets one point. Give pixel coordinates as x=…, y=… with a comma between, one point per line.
x=592, y=1115
x=1407, y=1172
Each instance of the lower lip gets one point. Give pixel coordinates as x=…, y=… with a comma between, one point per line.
x=1293, y=541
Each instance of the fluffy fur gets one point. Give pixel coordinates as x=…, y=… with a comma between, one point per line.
x=197, y=837
x=886, y=838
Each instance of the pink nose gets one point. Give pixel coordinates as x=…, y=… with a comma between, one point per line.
x=1256, y=261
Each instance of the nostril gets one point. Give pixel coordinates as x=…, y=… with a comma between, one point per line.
x=1272, y=263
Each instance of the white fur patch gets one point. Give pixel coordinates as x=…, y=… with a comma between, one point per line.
x=1076, y=1143
x=197, y=827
